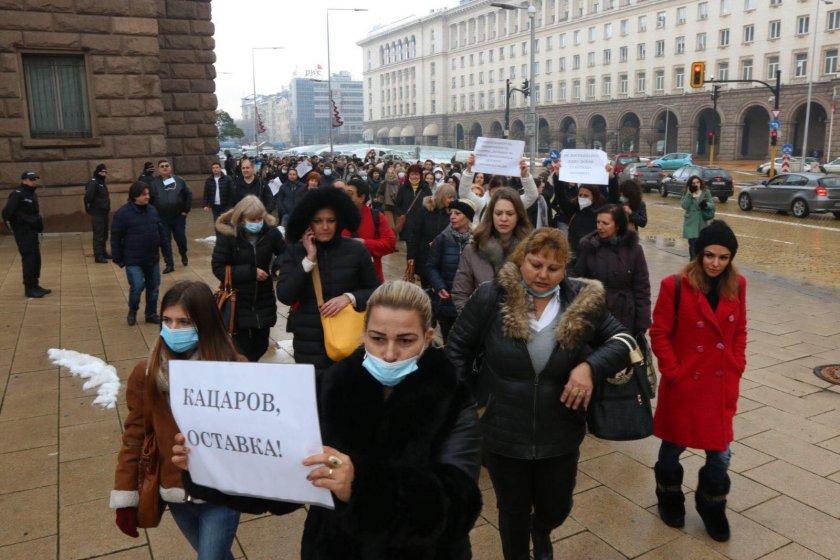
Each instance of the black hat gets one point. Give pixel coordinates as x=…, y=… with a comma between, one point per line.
x=316, y=199
x=717, y=233
x=464, y=206
x=99, y=168
x=29, y=175
x=148, y=165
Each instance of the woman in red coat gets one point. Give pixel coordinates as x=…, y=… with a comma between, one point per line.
x=699, y=336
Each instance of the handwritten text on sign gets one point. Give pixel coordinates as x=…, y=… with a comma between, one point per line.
x=249, y=427
x=498, y=156
x=584, y=166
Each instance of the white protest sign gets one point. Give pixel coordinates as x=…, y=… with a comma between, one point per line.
x=303, y=168
x=274, y=185
x=584, y=166
x=498, y=156
x=249, y=427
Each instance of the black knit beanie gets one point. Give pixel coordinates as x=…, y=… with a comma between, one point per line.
x=717, y=233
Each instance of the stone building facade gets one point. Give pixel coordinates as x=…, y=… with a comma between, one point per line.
x=119, y=82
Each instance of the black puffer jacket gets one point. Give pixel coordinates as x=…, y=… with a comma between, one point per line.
x=621, y=267
x=136, y=235
x=345, y=266
x=427, y=224
x=257, y=188
x=441, y=266
x=256, y=306
x=416, y=457
x=524, y=417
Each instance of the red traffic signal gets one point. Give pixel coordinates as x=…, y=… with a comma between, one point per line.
x=698, y=74
x=774, y=137
x=710, y=138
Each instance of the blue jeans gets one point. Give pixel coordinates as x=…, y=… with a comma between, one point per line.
x=139, y=278
x=209, y=528
x=174, y=227
x=717, y=462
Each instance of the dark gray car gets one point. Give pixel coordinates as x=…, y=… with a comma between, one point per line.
x=717, y=180
x=646, y=175
x=798, y=193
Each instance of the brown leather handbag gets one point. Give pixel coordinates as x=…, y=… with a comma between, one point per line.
x=226, y=301
x=150, y=507
x=399, y=223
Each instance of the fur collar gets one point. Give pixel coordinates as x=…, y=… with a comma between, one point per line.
x=224, y=226
x=629, y=239
x=584, y=304
x=492, y=251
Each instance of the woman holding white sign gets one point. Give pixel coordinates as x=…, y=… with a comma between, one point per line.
x=404, y=451
x=191, y=329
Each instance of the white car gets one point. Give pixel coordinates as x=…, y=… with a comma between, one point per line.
x=795, y=165
x=831, y=167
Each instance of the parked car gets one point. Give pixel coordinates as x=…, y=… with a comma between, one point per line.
x=647, y=175
x=795, y=165
x=674, y=160
x=831, y=167
x=717, y=179
x=621, y=160
x=798, y=193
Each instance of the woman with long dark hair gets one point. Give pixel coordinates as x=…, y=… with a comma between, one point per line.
x=635, y=208
x=695, y=200
x=699, y=336
x=191, y=329
x=432, y=219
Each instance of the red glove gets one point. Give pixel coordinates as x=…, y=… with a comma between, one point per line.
x=127, y=521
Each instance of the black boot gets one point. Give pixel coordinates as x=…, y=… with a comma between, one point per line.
x=131, y=319
x=670, y=495
x=34, y=292
x=542, y=542
x=710, y=499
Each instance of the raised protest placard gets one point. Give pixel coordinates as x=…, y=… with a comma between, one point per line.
x=498, y=156
x=303, y=168
x=249, y=427
x=584, y=166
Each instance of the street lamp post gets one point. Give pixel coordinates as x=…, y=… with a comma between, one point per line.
x=329, y=67
x=812, y=62
x=532, y=108
x=254, y=78
x=667, y=114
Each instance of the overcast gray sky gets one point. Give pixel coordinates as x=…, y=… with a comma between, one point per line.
x=301, y=27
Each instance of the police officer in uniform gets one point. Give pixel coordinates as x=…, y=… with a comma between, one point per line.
x=98, y=205
x=22, y=216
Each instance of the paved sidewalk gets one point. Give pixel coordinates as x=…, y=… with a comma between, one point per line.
x=57, y=452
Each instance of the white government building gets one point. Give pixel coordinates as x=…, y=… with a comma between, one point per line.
x=609, y=74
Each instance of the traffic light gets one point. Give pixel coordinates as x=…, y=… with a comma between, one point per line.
x=698, y=74
x=525, y=88
x=710, y=138
x=774, y=137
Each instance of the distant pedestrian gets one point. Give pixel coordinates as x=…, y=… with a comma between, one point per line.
x=230, y=164
x=217, y=192
x=695, y=200
x=634, y=206
x=22, y=215
x=137, y=233
x=699, y=336
x=373, y=231
x=289, y=194
x=250, y=184
x=148, y=173
x=173, y=200
x=98, y=205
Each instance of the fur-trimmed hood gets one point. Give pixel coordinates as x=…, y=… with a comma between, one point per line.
x=593, y=240
x=348, y=215
x=585, y=305
x=493, y=252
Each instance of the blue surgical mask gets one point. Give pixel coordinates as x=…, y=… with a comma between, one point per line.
x=179, y=340
x=390, y=374
x=532, y=293
x=254, y=227
x=623, y=199
x=327, y=172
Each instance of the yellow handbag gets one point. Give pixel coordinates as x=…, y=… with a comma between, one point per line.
x=342, y=332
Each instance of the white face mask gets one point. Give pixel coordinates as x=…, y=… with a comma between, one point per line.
x=584, y=202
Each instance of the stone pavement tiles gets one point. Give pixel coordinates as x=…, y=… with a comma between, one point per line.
x=57, y=451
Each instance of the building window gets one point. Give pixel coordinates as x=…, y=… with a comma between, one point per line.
x=641, y=50
x=591, y=34
x=830, y=66
x=749, y=5
x=549, y=92
x=606, y=86
x=724, y=37
x=432, y=87
x=480, y=78
x=775, y=29
x=834, y=20
x=590, y=88
x=453, y=82
x=490, y=54
x=772, y=67
x=775, y=2
x=801, y=65
x=624, y=27
x=57, y=96
x=549, y=43
x=680, y=46
x=701, y=42
x=723, y=71
x=659, y=80
x=590, y=59
x=562, y=40
x=561, y=64
x=749, y=33
x=481, y=57
x=576, y=89
x=434, y=107
x=491, y=76
x=463, y=83
x=481, y=101
x=642, y=23
x=640, y=82
x=525, y=71
x=660, y=47
x=802, y=25
x=512, y=74
x=549, y=66
x=536, y=95
x=501, y=53
x=472, y=60
x=725, y=7
x=703, y=10
x=462, y=62
x=454, y=104
x=607, y=30
x=524, y=49
x=607, y=57
x=431, y=68
x=622, y=54
x=622, y=84
x=679, y=78
x=681, y=15
x=660, y=20
x=577, y=37
x=512, y=51
x=491, y=100
x=561, y=92
x=453, y=64
x=576, y=62
x=746, y=69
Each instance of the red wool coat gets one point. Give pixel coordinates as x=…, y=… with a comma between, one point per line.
x=701, y=363
x=378, y=247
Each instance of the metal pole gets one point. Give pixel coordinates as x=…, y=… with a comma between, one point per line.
x=776, y=95
x=254, y=77
x=830, y=126
x=329, y=84
x=665, y=147
x=714, y=126
x=532, y=12
x=507, y=108
x=811, y=64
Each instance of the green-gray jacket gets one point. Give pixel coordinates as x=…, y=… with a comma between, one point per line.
x=693, y=221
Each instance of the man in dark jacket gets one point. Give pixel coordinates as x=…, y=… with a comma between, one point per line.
x=287, y=197
x=136, y=234
x=250, y=184
x=217, y=191
x=230, y=164
x=148, y=174
x=98, y=205
x=172, y=198
x=22, y=215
